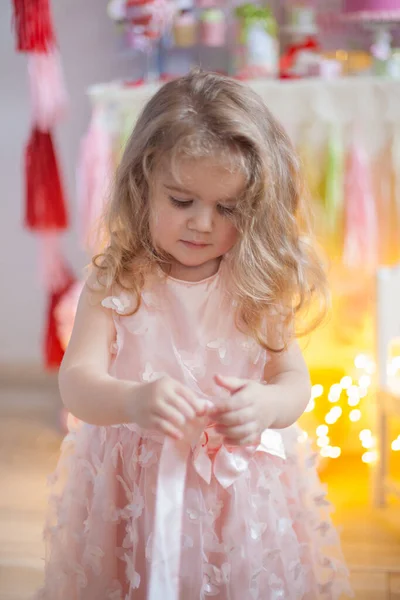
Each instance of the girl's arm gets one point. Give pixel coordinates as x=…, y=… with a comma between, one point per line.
x=86, y=388
x=94, y=396
x=288, y=388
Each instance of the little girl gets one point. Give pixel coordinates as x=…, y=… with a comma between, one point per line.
x=189, y=478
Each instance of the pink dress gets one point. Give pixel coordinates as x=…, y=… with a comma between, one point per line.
x=136, y=516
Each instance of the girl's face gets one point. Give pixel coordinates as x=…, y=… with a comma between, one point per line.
x=191, y=219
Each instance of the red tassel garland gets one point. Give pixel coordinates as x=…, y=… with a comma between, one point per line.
x=33, y=26
x=53, y=350
x=45, y=207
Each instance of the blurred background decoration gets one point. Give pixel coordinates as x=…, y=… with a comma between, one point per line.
x=330, y=71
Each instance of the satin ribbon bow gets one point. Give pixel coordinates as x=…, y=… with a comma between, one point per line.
x=210, y=457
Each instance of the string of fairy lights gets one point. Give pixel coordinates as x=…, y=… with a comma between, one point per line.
x=348, y=399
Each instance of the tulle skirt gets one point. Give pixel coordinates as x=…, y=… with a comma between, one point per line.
x=268, y=536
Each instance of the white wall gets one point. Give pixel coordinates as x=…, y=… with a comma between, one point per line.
x=89, y=49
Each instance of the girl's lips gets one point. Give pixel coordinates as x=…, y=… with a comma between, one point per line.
x=194, y=244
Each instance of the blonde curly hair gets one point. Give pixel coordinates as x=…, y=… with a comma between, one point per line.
x=274, y=270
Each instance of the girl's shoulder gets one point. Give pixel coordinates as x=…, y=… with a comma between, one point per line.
x=125, y=301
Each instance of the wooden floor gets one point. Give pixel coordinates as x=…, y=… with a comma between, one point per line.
x=29, y=444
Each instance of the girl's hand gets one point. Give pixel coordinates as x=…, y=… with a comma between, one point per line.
x=243, y=417
x=166, y=406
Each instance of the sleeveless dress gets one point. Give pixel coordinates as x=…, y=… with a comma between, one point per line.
x=135, y=515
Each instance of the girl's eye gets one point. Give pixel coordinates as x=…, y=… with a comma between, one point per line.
x=225, y=210
x=180, y=203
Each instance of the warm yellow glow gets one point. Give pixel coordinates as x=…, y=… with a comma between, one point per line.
x=336, y=411
x=335, y=452
x=322, y=430
x=333, y=415
x=364, y=381
x=353, y=401
x=346, y=382
x=310, y=406
x=368, y=442
x=334, y=393
x=361, y=361
x=370, y=368
x=394, y=366
x=356, y=390
x=323, y=441
x=369, y=457
x=355, y=415
x=353, y=390
x=325, y=451
x=396, y=362
x=336, y=388
x=396, y=445
x=333, y=398
x=317, y=391
x=330, y=419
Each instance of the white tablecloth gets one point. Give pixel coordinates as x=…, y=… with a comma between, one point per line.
x=370, y=104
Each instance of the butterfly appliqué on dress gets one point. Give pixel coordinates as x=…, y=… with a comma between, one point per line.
x=257, y=530
x=221, y=346
x=93, y=556
x=120, y=303
x=214, y=578
x=132, y=575
x=150, y=375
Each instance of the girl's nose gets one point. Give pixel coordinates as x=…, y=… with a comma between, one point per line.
x=202, y=220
